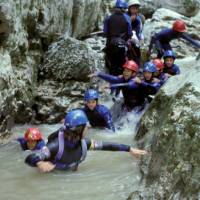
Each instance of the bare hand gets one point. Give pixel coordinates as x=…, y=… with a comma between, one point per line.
x=137, y=153
x=133, y=17
x=93, y=75
x=137, y=80
x=141, y=42
x=168, y=75
x=45, y=166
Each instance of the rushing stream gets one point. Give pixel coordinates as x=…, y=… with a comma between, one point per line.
x=102, y=176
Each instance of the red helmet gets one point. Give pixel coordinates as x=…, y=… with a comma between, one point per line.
x=158, y=63
x=33, y=134
x=179, y=26
x=130, y=64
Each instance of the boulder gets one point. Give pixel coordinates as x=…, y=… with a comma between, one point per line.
x=170, y=130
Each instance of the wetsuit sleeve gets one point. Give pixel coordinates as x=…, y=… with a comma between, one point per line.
x=131, y=84
x=40, y=144
x=108, y=118
x=46, y=153
x=154, y=86
x=139, y=28
x=109, y=78
x=189, y=39
x=23, y=143
x=155, y=40
x=163, y=78
x=106, y=146
x=177, y=70
x=128, y=19
x=105, y=26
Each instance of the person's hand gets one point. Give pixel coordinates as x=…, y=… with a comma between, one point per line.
x=137, y=80
x=94, y=74
x=45, y=166
x=62, y=121
x=133, y=17
x=141, y=42
x=104, y=87
x=137, y=153
x=168, y=75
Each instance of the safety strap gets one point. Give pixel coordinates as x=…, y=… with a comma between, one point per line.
x=59, y=154
x=60, y=144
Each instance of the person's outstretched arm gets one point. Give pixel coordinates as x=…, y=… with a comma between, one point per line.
x=189, y=39
x=111, y=146
x=131, y=84
x=40, y=158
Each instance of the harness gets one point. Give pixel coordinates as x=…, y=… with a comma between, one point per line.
x=73, y=166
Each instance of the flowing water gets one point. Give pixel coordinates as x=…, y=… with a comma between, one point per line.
x=102, y=176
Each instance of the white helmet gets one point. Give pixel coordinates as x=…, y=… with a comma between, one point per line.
x=133, y=2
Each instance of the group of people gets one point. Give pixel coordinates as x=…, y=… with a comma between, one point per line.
x=124, y=32
x=67, y=147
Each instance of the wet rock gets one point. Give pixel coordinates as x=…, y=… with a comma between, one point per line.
x=184, y=7
x=27, y=28
x=70, y=59
x=170, y=130
x=53, y=99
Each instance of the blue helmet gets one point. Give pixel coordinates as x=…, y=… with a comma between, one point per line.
x=121, y=4
x=90, y=95
x=75, y=118
x=149, y=67
x=169, y=53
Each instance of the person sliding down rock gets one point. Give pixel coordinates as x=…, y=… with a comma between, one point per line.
x=68, y=147
x=97, y=114
x=162, y=39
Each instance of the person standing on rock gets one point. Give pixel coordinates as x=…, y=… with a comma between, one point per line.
x=162, y=39
x=32, y=140
x=97, y=114
x=68, y=147
x=117, y=29
x=170, y=69
x=137, y=28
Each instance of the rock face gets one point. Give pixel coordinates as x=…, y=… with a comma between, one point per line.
x=64, y=78
x=27, y=29
x=170, y=129
x=69, y=59
x=164, y=18
x=15, y=95
x=188, y=8
x=185, y=7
